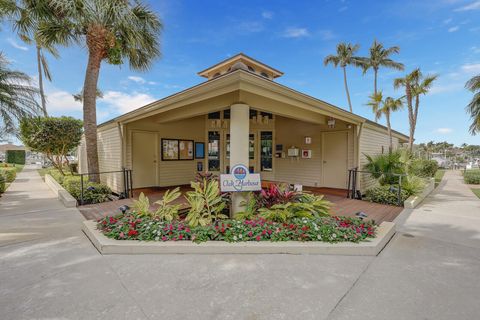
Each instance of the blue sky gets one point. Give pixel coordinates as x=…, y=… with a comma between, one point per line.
x=440, y=36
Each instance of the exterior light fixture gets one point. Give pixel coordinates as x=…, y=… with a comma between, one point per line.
x=331, y=123
x=124, y=208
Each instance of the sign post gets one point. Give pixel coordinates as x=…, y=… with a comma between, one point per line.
x=240, y=180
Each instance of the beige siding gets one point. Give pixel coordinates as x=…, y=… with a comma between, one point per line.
x=171, y=173
x=372, y=142
x=110, y=157
x=308, y=172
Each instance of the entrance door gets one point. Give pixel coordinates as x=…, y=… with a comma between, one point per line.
x=335, y=157
x=144, y=159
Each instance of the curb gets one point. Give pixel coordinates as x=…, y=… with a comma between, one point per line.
x=105, y=245
x=62, y=194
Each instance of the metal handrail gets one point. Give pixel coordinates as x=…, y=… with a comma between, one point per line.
x=352, y=182
x=127, y=182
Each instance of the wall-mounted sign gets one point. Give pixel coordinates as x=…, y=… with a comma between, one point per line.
x=306, y=154
x=199, y=150
x=308, y=140
x=240, y=179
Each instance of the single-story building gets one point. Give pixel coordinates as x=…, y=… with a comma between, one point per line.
x=239, y=115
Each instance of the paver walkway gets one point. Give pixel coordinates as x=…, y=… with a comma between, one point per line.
x=49, y=270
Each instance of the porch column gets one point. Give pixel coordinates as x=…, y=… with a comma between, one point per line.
x=239, y=131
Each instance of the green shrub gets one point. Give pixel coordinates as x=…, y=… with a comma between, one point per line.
x=423, y=168
x=10, y=173
x=386, y=195
x=413, y=185
x=15, y=156
x=472, y=177
x=206, y=203
x=2, y=183
x=92, y=192
x=385, y=167
x=56, y=175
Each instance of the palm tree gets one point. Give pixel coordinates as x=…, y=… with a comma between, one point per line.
x=415, y=84
x=345, y=56
x=17, y=97
x=112, y=31
x=473, y=108
x=380, y=57
x=25, y=16
x=385, y=107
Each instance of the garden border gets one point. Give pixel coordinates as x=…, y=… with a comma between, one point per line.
x=105, y=245
x=413, y=201
x=66, y=198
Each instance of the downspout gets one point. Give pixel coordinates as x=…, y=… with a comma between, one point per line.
x=121, y=130
x=359, y=135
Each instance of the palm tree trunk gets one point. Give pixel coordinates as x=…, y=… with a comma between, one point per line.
x=375, y=74
x=389, y=129
x=40, y=81
x=346, y=88
x=90, y=112
x=408, y=93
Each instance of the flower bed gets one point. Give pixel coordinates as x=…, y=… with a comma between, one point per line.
x=131, y=226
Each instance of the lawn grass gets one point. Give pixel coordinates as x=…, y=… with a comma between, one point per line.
x=439, y=176
x=477, y=192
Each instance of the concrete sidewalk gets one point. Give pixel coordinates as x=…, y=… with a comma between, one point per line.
x=431, y=269
x=49, y=270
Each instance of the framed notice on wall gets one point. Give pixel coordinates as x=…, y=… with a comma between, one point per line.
x=185, y=149
x=199, y=150
x=169, y=149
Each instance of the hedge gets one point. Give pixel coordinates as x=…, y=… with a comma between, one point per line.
x=472, y=176
x=15, y=156
x=2, y=183
x=386, y=195
x=10, y=173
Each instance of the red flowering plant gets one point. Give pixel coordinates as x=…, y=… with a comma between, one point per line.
x=328, y=229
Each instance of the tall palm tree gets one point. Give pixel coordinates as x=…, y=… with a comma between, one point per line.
x=385, y=107
x=345, y=56
x=415, y=84
x=112, y=31
x=25, y=17
x=473, y=108
x=17, y=97
x=380, y=57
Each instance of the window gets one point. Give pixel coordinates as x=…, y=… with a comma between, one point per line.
x=251, y=146
x=251, y=69
x=214, y=115
x=253, y=113
x=265, y=75
x=226, y=114
x=267, y=114
x=213, y=151
x=266, y=150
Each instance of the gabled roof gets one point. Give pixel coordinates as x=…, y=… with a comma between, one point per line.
x=250, y=63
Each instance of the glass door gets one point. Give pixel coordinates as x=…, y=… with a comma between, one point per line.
x=251, y=152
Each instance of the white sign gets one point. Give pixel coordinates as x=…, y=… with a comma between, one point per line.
x=240, y=180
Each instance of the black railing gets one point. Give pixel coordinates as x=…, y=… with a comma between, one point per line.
x=126, y=179
x=352, y=191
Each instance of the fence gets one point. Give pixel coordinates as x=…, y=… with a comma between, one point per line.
x=125, y=177
x=353, y=178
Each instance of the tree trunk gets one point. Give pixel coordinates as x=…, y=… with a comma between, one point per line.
x=346, y=88
x=408, y=93
x=375, y=74
x=90, y=112
x=40, y=81
x=389, y=129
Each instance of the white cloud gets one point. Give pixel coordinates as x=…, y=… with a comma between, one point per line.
x=444, y=88
x=444, y=130
x=469, y=7
x=62, y=101
x=137, y=79
x=125, y=102
x=471, y=68
x=326, y=34
x=267, y=14
x=475, y=49
x=447, y=21
x=453, y=29
x=16, y=45
x=250, y=26
x=293, y=32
